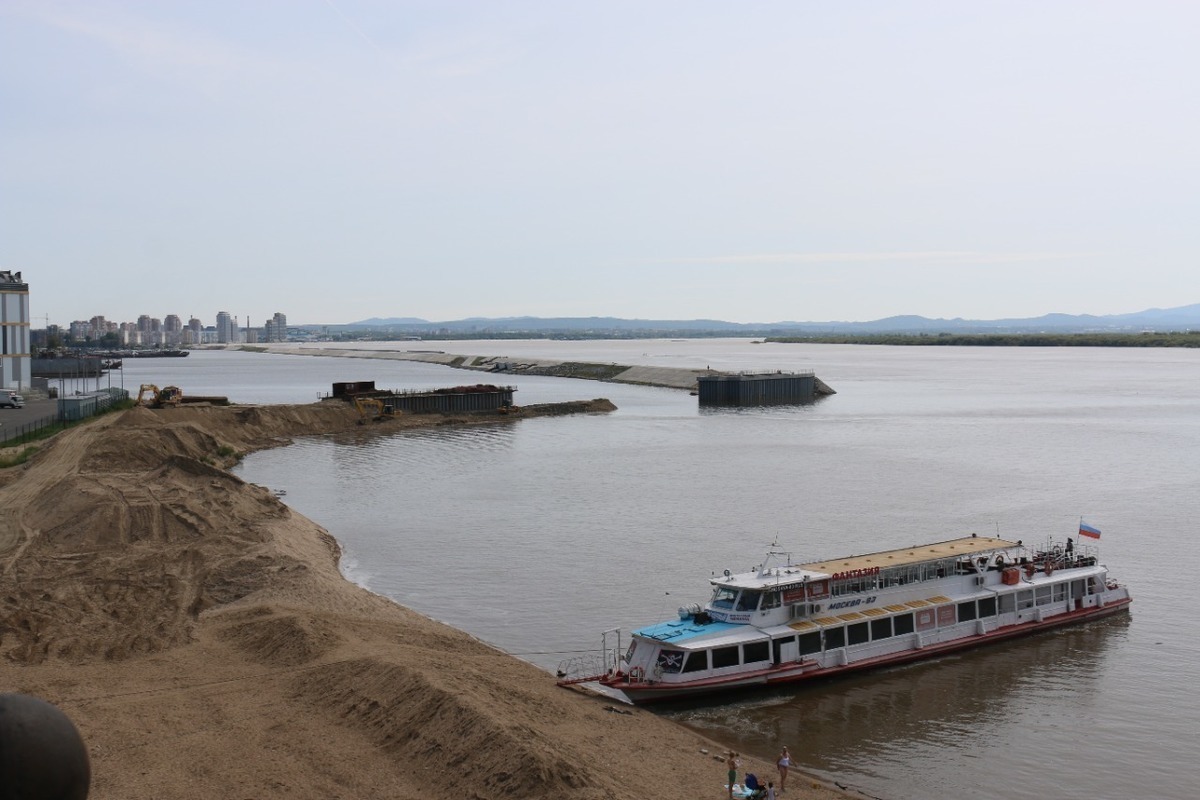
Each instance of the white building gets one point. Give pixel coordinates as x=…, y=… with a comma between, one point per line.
x=226, y=327
x=16, y=364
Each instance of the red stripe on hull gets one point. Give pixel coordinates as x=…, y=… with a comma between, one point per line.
x=643, y=693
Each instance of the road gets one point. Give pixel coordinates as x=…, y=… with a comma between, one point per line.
x=34, y=410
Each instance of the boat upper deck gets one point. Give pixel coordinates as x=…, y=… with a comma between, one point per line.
x=954, y=548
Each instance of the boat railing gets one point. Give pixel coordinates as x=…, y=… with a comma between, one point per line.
x=753, y=373
x=593, y=665
x=1063, y=555
x=585, y=668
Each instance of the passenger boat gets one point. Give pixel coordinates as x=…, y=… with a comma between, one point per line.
x=784, y=622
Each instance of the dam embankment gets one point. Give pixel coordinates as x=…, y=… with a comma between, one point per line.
x=668, y=377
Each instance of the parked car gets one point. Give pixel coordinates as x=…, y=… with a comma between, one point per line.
x=11, y=400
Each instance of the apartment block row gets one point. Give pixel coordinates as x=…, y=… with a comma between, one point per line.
x=170, y=331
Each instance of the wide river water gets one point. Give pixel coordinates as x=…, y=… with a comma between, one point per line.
x=535, y=535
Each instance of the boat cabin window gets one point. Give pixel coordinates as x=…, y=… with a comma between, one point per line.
x=1024, y=600
x=858, y=633
x=932, y=570
x=756, y=651
x=1043, y=595
x=855, y=585
x=835, y=638
x=810, y=643
x=1060, y=592
x=1008, y=603
x=987, y=607
x=725, y=657
x=903, y=623
x=966, y=611
x=881, y=628
x=748, y=601
x=629, y=652
x=670, y=660
x=723, y=597
x=770, y=600
x=697, y=661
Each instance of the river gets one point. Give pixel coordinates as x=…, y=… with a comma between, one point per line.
x=538, y=534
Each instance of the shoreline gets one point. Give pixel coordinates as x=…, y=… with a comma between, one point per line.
x=201, y=636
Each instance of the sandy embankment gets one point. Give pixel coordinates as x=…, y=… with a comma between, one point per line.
x=200, y=635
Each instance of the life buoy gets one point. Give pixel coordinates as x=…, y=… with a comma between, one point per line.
x=1029, y=570
x=999, y=562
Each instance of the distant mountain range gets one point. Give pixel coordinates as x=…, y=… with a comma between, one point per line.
x=1155, y=319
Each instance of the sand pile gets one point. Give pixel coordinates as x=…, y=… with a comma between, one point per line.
x=200, y=635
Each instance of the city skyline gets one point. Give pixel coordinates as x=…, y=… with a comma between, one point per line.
x=790, y=161
x=171, y=330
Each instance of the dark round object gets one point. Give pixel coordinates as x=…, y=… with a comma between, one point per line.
x=42, y=754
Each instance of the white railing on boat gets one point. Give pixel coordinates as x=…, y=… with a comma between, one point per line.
x=592, y=666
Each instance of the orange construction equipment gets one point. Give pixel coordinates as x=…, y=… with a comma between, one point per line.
x=373, y=409
x=153, y=397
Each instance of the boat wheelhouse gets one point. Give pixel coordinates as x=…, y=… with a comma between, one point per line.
x=784, y=622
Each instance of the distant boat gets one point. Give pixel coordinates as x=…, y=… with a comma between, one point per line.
x=154, y=353
x=160, y=353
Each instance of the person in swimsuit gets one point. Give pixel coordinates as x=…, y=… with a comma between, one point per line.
x=784, y=761
x=732, y=763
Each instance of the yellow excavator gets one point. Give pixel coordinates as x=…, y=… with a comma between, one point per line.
x=154, y=397
x=372, y=409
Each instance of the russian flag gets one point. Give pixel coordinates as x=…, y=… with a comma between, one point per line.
x=1088, y=531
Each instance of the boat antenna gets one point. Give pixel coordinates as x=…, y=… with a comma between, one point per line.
x=773, y=550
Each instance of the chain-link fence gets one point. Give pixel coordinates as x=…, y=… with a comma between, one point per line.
x=18, y=434
x=70, y=409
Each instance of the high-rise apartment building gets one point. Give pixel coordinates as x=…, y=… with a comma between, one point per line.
x=226, y=328
x=172, y=329
x=275, y=328
x=128, y=334
x=15, y=361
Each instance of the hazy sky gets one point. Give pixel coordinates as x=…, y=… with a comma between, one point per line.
x=341, y=159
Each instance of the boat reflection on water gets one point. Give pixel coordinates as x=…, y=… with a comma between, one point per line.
x=879, y=731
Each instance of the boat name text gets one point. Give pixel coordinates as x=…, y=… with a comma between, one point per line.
x=858, y=601
x=855, y=573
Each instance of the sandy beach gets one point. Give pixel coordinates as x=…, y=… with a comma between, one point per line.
x=201, y=637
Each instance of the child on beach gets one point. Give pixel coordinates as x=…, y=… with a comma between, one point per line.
x=732, y=763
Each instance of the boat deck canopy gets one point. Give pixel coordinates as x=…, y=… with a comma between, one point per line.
x=966, y=546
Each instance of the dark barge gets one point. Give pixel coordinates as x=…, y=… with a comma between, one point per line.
x=760, y=389
x=452, y=400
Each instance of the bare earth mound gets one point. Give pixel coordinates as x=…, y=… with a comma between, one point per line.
x=200, y=635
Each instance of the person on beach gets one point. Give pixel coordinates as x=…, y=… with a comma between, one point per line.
x=784, y=761
x=732, y=763
x=771, y=791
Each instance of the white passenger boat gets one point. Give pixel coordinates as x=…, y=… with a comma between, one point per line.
x=784, y=622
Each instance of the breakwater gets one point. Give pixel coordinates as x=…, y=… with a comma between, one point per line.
x=669, y=377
